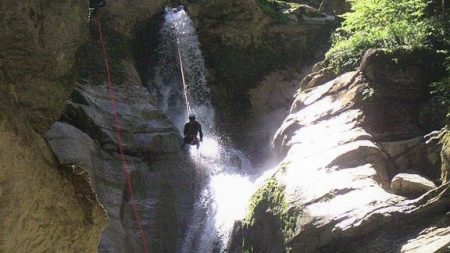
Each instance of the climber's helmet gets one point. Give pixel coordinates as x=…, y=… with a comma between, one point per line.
x=191, y=117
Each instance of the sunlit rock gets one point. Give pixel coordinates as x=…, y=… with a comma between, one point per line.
x=342, y=146
x=430, y=240
x=411, y=185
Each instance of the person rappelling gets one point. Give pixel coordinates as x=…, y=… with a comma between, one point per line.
x=94, y=5
x=191, y=130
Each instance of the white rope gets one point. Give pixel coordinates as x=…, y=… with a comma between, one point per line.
x=185, y=88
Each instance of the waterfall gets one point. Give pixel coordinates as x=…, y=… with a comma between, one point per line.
x=178, y=32
x=227, y=174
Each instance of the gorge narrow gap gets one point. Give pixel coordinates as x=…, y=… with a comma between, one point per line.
x=228, y=179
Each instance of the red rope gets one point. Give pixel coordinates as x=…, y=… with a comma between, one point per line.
x=119, y=142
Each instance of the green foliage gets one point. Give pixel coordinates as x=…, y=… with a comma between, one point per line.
x=441, y=90
x=385, y=24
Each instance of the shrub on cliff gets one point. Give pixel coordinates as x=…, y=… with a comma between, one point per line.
x=387, y=24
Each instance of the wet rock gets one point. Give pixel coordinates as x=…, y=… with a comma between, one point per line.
x=122, y=16
x=411, y=185
x=235, y=243
x=270, y=101
x=139, y=121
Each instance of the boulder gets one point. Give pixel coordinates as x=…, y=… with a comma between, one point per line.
x=411, y=185
x=71, y=146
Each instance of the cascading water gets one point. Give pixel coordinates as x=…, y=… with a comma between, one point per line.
x=178, y=33
x=227, y=181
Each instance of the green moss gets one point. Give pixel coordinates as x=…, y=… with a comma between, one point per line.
x=273, y=193
x=268, y=209
x=283, y=167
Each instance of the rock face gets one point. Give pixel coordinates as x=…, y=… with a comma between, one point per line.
x=38, y=45
x=42, y=210
x=159, y=175
x=411, y=185
x=342, y=147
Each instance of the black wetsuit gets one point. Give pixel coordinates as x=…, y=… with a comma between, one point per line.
x=191, y=130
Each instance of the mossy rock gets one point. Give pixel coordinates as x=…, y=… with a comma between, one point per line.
x=270, y=222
